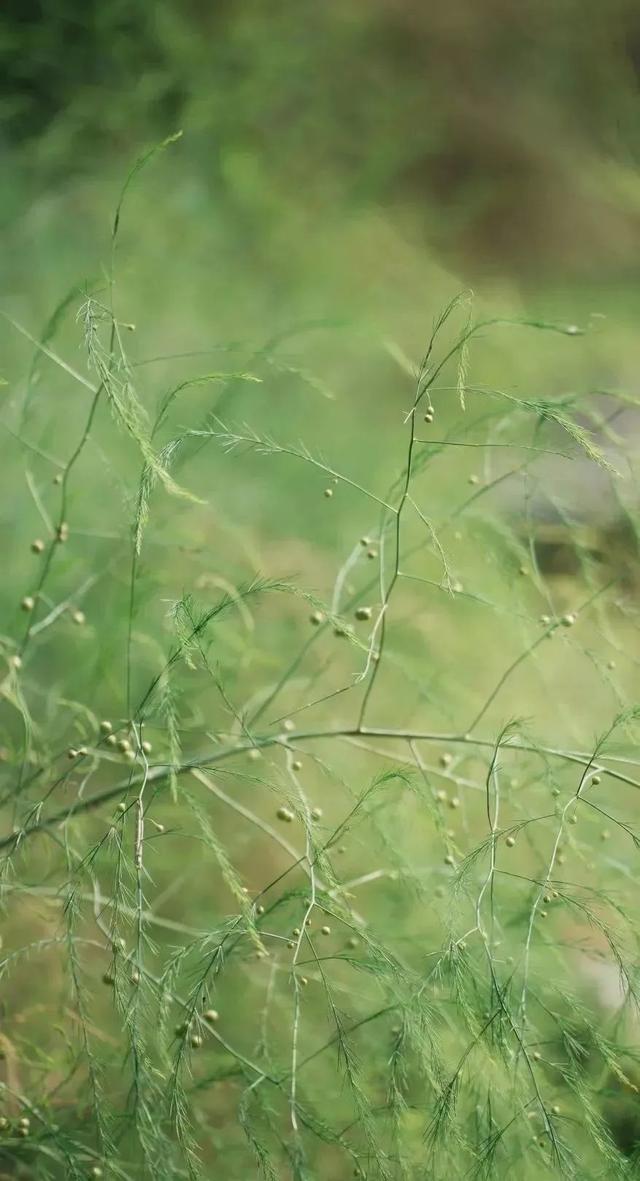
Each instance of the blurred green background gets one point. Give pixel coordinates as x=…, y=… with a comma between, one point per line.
x=500, y=140
x=346, y=162
x=345, y=169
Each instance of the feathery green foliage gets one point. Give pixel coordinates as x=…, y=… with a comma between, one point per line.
x=313, y=874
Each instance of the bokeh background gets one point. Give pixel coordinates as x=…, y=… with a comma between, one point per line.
x=499, y=142
x=345, y=169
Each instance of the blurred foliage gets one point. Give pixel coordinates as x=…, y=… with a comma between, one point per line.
x=507, y=131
